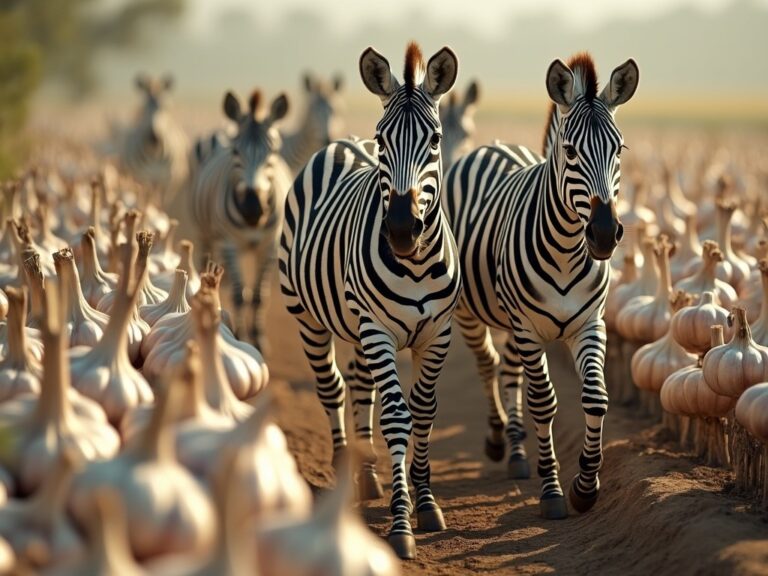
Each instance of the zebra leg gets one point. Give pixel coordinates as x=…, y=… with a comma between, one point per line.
x=588, y=350
x=396, y=425
x=542, y=404
x=362, y=388
x=319, y=349
x=422, y=403
x=231, y=265
x=512, y=389
x=266, y=262
x=478, y=337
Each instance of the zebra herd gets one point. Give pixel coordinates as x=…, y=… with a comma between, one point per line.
x=382, y=242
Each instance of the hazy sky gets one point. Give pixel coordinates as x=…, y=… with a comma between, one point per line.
x=486, y=16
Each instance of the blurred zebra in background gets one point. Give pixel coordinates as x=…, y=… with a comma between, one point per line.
x=237, y=195
x=320, y=124
x=154, y=149
x=457, y=115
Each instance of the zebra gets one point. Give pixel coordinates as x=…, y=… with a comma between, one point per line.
x=238, y=196
x=535, y=234
x=457, y=119
x=366, y=256
x=155, y=148
x=319, y=125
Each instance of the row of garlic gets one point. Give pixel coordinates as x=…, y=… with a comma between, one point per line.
x=126, y=446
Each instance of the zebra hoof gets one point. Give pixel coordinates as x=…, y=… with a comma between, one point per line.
x=553, y=508
x=404, y=545
x=581, y=502
x=430, y=520
x=494, y=451
x=368, y=485
x=518, y=468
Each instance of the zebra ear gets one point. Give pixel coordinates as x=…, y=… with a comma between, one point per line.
x=622, y=85
x=376, y=73
x=560, y=85
x=232, y=107
x=473, y=94
x=442, y=70
x=142, y=82
x=167, y=82
x=279, y=108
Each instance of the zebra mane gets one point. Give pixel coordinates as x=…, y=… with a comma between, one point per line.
x=583, y=67
x=414, y=66
x=254, y=101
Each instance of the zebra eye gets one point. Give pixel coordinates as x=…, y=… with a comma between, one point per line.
x=435, y=140
x=570, y=152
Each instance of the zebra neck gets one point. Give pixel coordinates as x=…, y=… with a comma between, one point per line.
x=310, y=136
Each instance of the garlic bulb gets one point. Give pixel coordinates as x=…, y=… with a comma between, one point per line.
x=19, y=371
x=653, y=363
x=163, y=258
x=148, y=293
x=46, y=239
x=175, y=303
x=333, y=541
x=705, y=278
x=165, y=281
x=23, y=242
x=42, y=519
x=3, y=305
x=60, y=417
x=739, y=267
x=84, y=324
x=616, y=298
x=237, y=365
x=95, y=282
x=167, y=510
x=732, y=368
x=108, y=552
x=690, y=325
x=752, y=411
x=105, y=373
x=760, y=326
x=645, y=319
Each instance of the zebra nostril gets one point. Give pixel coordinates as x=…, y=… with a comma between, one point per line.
x=620, y=232
x=418, y=228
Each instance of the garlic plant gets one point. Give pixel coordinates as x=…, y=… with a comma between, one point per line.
x=39, y=428
x=176, y=302
x=20, y=371
x=95, y=282
x=167, y=510
x=84, y=325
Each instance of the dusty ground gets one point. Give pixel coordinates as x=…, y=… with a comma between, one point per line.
x=660, y=511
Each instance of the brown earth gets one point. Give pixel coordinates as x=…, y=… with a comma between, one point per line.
x=660, y=511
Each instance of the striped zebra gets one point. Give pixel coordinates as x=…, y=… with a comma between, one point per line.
x=457, y=115
x=534, y=236
x=155, y=149
x=319, y=125
x=238, y=197
x=366, y=255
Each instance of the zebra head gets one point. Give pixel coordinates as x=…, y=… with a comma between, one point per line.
x=408, y=138
x=324, y=103
x=255, y=151
x=458, y=119
x=588, y=145
x=153, y=114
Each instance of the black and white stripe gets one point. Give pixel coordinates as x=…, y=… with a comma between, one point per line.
x=533, y=235
x=238, y=195
x=366, y=256
x=319, y=125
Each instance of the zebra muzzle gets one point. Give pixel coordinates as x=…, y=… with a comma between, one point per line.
x=402, y=225
x=603, y=231
x=249, y=206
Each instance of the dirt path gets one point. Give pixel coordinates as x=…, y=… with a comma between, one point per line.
x=660, y=512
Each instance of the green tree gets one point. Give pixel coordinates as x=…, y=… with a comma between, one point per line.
x=58, y=40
